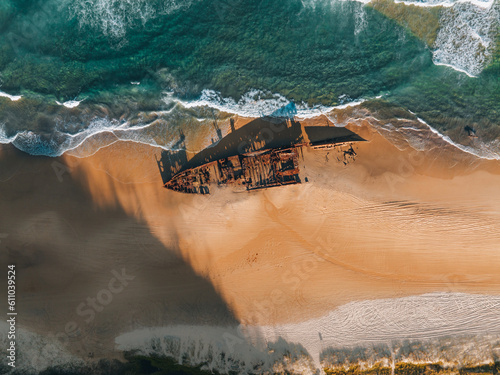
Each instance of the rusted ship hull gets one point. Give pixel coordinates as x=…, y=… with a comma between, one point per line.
x=262, y=154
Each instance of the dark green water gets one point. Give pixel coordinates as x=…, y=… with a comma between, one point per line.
x=303, y=53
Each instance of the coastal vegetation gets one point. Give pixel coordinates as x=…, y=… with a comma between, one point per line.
x=136, y=364
x=408, y=368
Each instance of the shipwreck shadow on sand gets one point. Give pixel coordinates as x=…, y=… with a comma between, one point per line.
x=89, y=273
x=67, y=250
x=260, y=134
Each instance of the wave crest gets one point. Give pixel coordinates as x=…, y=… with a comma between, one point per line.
x=465, y=40
x=114, y=17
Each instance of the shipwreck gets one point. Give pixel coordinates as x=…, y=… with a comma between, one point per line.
x=261, y=154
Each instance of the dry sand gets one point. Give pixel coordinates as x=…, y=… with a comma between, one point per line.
x=395, y=222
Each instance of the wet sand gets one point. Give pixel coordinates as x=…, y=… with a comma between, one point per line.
x=395, y=222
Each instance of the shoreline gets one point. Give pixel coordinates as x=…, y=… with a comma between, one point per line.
x=386, y=181
x=393, y=223
x=416, y=332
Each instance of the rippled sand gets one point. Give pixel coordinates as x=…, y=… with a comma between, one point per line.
x=391, y=223
x=395, y=222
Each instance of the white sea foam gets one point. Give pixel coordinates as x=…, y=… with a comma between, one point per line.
x=35, y=353
x=466, y=37
x=426, y=137
x=257, y=103
x=97, y=130
x=420, y=317
x=365, y=323
x=253, y=104
x=446, y=4
x=482, y=150
x=221, y=349
x=421, y=3
x=11, y=97
x=4, y=139
x=360, y=22
x=455, y=68
x=71, y=103
x=101, y=132
x=451, y=327
x=114, y=17
x=465, y=40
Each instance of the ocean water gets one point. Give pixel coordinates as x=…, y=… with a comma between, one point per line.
x=72, y=69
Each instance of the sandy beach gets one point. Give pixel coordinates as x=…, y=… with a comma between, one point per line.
x=395, y=222
x=392, y=223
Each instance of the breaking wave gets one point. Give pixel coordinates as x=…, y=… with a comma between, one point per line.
x=11, y=97
x=481, y=150
x=114, y=17
x=101, y=133
x=160, y=128
x=35, y=352
x=446, y=3
x=465, y=40
x=447, y=328
x=435, y=327
x=223, y=349
x=421, y=137
x=257, y=103
x=156, y=128
x=467, y=30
